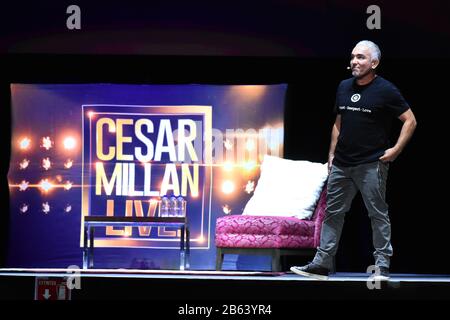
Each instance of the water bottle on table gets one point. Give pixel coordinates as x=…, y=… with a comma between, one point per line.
x=164, y=207
x=172, y=206
x=181, y=207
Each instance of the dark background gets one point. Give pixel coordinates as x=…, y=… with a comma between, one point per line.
x=306, y=45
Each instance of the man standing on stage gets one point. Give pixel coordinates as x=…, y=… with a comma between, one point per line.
x=359, y=157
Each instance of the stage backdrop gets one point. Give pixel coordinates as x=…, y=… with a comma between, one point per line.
x=113, y=149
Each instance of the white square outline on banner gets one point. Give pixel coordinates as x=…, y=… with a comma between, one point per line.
x=206, y=112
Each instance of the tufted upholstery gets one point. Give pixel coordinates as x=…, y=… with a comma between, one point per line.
x=264, y=232
x=269, y=232
x=264, y=225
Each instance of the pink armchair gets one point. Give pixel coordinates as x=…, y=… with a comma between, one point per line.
x=269, y=235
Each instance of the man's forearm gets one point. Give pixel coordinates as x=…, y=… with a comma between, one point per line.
x=334, y=137
x=406, y=133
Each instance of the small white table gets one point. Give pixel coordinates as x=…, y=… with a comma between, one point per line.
x=90, y=222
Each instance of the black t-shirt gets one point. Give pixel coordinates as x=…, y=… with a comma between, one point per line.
x=366, y=113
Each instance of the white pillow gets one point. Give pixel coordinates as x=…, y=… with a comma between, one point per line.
x=287, y=188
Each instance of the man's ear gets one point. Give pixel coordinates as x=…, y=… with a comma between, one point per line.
x=375, y=63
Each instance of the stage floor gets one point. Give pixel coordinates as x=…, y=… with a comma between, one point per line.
x=211, y=275
x=215, y=286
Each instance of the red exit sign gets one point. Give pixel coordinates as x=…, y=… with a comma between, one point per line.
x=51, y=289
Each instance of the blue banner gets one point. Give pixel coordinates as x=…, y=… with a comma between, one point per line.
x=83, y=150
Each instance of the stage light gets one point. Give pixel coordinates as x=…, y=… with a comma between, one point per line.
x=68, y=185
x=228, y=145
x=45, y=185
x=250, y=145
x=24, y=164
x=69, y=143
x=68, y=208
x=274, y=146
x=273, y=137
x=46, y=163
x=90, y=114
x=194, y=194
x=24, y=143
x=249, y=165
x=228, y=166
x=23, y=185
x=68, y=164
x=226, y=209
x=227, y=187
x=47, y=143
x=23, y=208
x=45, y=207
x=250, y=187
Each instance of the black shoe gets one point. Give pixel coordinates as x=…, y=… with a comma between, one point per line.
x=312, y=270
x=382, y=275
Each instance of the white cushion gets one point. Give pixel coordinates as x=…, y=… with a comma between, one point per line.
x=287, y=188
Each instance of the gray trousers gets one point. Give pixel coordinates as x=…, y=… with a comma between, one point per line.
x=343, y=184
